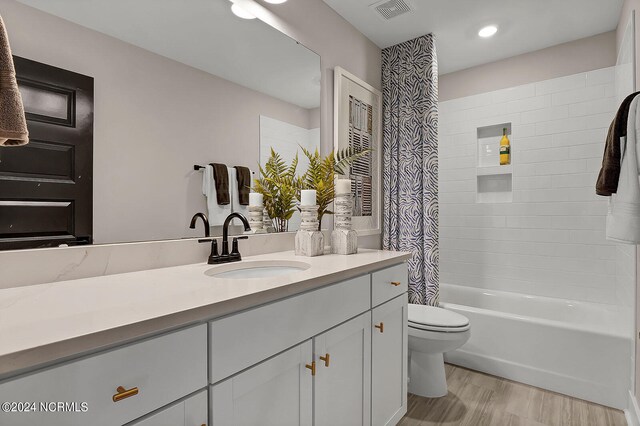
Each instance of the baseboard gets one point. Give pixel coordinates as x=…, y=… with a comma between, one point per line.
x=632, y=412
x=567, y=385
x=398, y=415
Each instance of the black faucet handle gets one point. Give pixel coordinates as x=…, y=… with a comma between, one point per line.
x=235, y=253
x=234, y=244
x=214, y=257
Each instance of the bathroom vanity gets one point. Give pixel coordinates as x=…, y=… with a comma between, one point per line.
x=326, y=345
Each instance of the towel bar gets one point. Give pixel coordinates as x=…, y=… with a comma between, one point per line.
x=197, y=167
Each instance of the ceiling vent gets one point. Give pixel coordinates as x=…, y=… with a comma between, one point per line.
x=389, y=9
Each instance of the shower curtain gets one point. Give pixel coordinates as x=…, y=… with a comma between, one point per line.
x=410, y=161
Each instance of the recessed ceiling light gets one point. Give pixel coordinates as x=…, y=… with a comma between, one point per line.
x=241, y=13
x=275, y=1
x=488, y=31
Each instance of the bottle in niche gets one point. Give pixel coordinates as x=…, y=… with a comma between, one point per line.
x=505, y=149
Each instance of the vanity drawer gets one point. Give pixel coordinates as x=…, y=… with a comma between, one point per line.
x=163, y=369
x=388, y=283
x=242, y=340
x=192, y=411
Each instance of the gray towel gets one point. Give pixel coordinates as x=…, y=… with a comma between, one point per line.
x=13, y=124
x=221, y=176
x=243, y=175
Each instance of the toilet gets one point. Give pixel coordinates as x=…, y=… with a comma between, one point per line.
x=432, y=332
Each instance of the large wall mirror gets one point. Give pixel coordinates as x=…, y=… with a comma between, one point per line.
x=160, y=87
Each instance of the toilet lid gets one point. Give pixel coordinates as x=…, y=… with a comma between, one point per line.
x=433, y=318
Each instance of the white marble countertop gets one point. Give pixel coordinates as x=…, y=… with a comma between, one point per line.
x=46, y=323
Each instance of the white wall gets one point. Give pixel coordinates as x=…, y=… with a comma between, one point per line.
x=627, y=46
x=564, y=59
x=550, y=240
x=624, y=83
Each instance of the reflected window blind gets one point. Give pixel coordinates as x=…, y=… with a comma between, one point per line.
x=360, y=138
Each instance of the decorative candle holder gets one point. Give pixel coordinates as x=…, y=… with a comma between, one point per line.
x=344, y=240
x=256, y=220
x=309, y=241
x=267, y=223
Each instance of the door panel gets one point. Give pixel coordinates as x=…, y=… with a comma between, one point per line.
x=389, y=362
x=46, y=188
x=343, y=388
x=276, y=392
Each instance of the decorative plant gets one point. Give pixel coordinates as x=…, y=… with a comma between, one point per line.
x=321, y=175
x=280, y=188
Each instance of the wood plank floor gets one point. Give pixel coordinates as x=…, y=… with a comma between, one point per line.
x=478, y=399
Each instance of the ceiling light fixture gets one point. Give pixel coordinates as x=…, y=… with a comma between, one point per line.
x=275, y=1
x=488, y=31
x=241, y=13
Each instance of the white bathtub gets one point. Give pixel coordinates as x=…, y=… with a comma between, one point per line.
x=575, y=348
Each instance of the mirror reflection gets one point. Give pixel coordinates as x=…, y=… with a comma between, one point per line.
x=124, y=98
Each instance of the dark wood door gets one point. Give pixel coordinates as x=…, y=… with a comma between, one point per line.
x=46, y=188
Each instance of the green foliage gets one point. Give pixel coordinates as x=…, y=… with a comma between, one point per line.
x=321, y=175
x=344, y=158
x=280, y=188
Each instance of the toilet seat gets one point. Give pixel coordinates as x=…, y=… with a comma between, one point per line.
x=431, y=318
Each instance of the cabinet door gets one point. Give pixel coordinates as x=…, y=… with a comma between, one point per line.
x=276, y=392
x=389, y=362
x=342, y=383
x=190, y=412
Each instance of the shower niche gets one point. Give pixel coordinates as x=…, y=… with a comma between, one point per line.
x=494, y=182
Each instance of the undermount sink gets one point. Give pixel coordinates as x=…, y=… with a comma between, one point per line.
x=257, y=269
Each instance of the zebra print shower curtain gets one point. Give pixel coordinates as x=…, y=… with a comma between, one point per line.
x=410, y=161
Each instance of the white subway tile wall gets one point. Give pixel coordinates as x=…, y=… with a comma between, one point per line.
x=550, y=240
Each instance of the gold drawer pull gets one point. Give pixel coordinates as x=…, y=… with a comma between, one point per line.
x=326, y=359
x=380, y=327
x=396, y=283
x=124, y=393
x=312, y=367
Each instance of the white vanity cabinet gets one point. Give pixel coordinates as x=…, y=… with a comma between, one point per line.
x=347, y=362
x=192, y=411
x=331, y=356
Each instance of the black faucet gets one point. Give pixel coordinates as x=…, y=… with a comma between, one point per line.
x=204, y=219
x=234, y=256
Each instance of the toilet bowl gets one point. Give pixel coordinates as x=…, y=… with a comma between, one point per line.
x=432, y=332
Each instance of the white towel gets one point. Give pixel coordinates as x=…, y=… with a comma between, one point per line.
x=623, y=218
x=216, y=213
x=235, y=195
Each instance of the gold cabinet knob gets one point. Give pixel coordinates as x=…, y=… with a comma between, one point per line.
x=124, y=393
x=312, y=367
x=380, y=327
x=326, y=359
x=396, y=283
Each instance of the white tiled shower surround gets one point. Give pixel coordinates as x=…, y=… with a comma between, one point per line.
x=550, y=240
